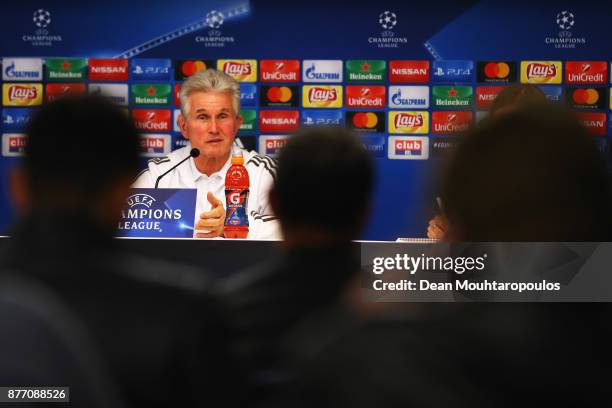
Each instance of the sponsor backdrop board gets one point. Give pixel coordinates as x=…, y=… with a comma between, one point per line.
x=406, y=77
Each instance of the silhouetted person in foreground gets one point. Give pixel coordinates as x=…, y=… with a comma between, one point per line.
x=512, y=98
x=146, y=318
x=322, y=196
x=529, y=175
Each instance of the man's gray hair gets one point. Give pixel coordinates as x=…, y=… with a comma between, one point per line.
x=209, y=80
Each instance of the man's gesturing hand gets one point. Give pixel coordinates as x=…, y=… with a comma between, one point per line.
x=211, y=221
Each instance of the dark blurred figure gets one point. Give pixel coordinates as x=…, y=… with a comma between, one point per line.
x=529, y=175
x=516, y=96
x=513, y=97
x=526, y=175
x=148, y=319
x=322, y=196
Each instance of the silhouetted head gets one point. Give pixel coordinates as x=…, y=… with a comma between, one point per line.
x=323, y=185
x=81, y=153
x=528, y=175
x=517, y=96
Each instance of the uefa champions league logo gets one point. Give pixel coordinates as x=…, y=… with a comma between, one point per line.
x=387, y=39
x=565, y=20
x=42, y=18
x=41, y=37
x=215, y=19
x=387, y=19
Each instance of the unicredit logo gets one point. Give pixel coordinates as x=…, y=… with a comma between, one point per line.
x=151, y=120
x=235, y=68
x=22, y=92
x=322, y=95
x=404, y=120
x=541, y=71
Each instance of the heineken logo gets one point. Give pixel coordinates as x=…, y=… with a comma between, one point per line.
x=365, y=71
x=151, y=94
x=65, y=69
x=452, y=96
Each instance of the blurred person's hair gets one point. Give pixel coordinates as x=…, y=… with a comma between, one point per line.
x=78, y=147
x=516, y=96
x=529, y=175
x=325, y=178
x=209, y=80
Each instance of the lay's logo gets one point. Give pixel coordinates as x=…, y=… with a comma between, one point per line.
x=541, y=72
x=408, y=122
x=240, y=70
x=322, y=96
x=22, y=94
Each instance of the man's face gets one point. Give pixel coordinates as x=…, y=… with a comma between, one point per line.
x=211, y=124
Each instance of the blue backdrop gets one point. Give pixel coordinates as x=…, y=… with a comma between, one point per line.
x=315, y=29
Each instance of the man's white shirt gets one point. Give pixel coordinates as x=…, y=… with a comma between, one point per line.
x=262, y=172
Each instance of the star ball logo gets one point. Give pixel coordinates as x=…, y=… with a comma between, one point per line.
x=565, y=20
x=41, y=37
x=387, y=39
x=42, y=18
x=214, y=20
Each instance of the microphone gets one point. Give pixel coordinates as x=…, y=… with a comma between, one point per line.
x=193, y=153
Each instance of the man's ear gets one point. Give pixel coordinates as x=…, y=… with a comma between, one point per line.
x=182, y=123
x=19, y=190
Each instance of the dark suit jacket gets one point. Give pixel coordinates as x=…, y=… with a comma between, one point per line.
x=149, y=319
x=262, y=304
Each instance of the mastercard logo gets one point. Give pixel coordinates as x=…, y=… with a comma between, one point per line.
x=189, y=68
x=497, y=70
x=279, y=94
x=585, y=96
x=365, y=120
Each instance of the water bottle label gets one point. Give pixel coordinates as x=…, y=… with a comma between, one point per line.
x=236, y=207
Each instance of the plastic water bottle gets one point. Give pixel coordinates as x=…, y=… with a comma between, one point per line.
x=236, y=199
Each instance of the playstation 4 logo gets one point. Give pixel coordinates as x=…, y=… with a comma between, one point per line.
x=452, y=71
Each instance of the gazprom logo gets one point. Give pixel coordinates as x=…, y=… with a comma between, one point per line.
x=409, y=97
x=322, y=70
x=22, y=69
x=143, y=200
